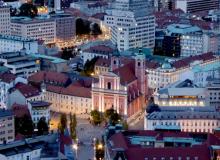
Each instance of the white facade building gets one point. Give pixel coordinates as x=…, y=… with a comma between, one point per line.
x=162, y=75
x=90, y=8
x=7, y=129
x=16, y=43
x=201, y=74
x=183, y=93
x=96, y=51
x=39, y=109
x=72, y=99
x=23, y=94
x=19, y=63
x=198, y=43
x=189, y=6
x=41, y=28
x=132, y=24
x=213, y=92
x=197, y=119
x=4, y=20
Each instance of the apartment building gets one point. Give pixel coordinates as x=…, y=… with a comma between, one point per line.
x=7, y=129
x=40, y=28
x=132, y=24
x=4, y=19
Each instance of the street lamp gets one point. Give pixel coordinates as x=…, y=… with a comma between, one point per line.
x=75, y=147
x=100, y=146
x=94, y=146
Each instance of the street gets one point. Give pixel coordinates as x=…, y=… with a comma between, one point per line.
x=85, y=134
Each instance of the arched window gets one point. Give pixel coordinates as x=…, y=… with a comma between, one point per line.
x=109, y=85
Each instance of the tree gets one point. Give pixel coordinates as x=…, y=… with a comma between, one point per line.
x=125, y=125
x=112, y=116
x=95, y=29
x=13, y=11
x=63, y=123
x=67, y=53
x=96, y=117
x=89, y=66
x=82, y=26
x=42, y=126
x=73, y=124
x=108, y=113
x=28, y=10
x=24, y=125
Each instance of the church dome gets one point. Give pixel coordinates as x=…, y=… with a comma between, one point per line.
x=166, y=65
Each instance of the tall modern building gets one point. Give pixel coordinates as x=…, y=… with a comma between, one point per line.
x=65, y=29
x=4, y=20
x=132, y=24
x=189, y=6
x=41, y=28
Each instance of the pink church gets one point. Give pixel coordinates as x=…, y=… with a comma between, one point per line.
x=124, y=88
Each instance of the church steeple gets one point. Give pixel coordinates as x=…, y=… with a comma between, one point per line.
x=140, y=72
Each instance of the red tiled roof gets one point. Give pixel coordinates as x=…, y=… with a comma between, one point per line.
x=201, y=152
x=99, y=16
x=186, y=61
x=103, y=62
x=41, y=76
x=100, y=49
x=126, y=73
x=27, y=90
x=202, y=24
x=20, y=110
x=7, y=77
x=133, y=151
x=72, y=90
x=152, y=64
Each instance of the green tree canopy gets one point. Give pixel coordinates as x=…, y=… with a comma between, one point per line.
x=28, y=9
x=89, y=66
x=96, y=117
x=42, y=126
x=24, y=125
x=63, y=123
x=95, y=29
x=73, y=125
x=112, y=116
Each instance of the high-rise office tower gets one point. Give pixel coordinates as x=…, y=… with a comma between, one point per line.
x=132, y=24
x=4, y=19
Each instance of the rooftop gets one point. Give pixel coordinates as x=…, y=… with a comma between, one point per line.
x=7, y=77
x=37, y=104
x=171, y=113
x=141, y=145
x=50, y=58
x=16, y=38
x=27, y=90
x=182, y=29
x=27, y=20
